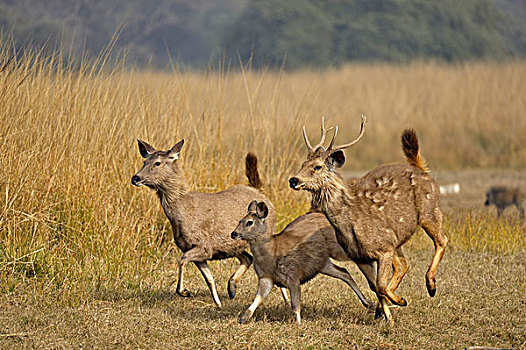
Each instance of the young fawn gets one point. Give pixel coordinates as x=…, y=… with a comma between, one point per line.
x=376, y=214
x=199, y=235
x=292, y=257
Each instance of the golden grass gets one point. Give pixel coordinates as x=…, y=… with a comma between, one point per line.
x=72, y=224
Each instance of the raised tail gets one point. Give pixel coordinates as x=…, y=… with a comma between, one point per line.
x=412, y=150
x=251, y=164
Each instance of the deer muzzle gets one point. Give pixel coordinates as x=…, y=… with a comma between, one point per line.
x=136, y=180
x=295, y=183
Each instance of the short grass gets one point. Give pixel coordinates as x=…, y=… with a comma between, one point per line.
x=480, y=301
x=86, y=260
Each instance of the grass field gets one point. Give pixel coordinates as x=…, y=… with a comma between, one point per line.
x=87, y=260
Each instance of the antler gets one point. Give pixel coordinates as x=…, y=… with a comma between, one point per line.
x=323, y=134
x=362, y=131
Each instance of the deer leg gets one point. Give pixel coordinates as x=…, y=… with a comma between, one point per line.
x=286, y=298
x=400, y=268
x=369, y=271
x=295, y=299
x=434, y=231
x=180, y=290
x=264, y=287
x=245, y=260
x=192, y=255
x=500, y=210
x=341, y=273
x=384, y=306
x=209, y=279
x=384, y=268
x=384, y=264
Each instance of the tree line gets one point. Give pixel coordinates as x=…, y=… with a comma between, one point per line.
x=294, y=33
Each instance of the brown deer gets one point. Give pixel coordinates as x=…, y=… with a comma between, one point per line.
x=400, y=263
x=503, y=197
x=199, y=235
x=376, y=214
x=292, y=257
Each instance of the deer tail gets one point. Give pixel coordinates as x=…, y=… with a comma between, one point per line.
x=252, y=173
x=412, y=150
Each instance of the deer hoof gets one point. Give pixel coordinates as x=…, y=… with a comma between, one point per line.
x=246, y=315
x=403, y=302
x=184, y=293
x=431, y=288
x=432, y=292
x=378, y=313
x=231, y=289
x=431, y=285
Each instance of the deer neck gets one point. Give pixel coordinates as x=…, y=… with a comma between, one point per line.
x=262, y=249
x=332, y=194
x=171, y=191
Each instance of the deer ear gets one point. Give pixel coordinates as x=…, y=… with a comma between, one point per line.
x=145, y=149
x=174, y=152
x=252, y=207
x=262, y=210
x=336, y=159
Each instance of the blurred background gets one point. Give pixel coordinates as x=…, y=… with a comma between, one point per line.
x=299, y=33
x=88, y=261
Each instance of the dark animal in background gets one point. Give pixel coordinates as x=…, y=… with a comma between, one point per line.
x=294, y=256
x=503, y=197
x=200, y=235
x=378, y=213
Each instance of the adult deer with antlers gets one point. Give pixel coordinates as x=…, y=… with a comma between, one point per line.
x=373, y=216
x=400, y=263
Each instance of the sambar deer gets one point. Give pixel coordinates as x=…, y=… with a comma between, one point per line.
x=400, y=263
x=199, y=235
x=292, y=257
x=376, y=214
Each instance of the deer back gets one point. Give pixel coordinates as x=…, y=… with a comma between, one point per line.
x=207, y=219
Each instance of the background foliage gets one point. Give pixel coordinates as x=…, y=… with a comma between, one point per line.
x=301, y=32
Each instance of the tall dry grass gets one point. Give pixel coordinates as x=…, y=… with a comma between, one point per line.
x=71, y=224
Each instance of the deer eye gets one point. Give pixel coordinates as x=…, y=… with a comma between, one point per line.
x=317, y=168
x=157, y=163
x=250, y=223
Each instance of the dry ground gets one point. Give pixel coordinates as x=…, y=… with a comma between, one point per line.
x=480, y=301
